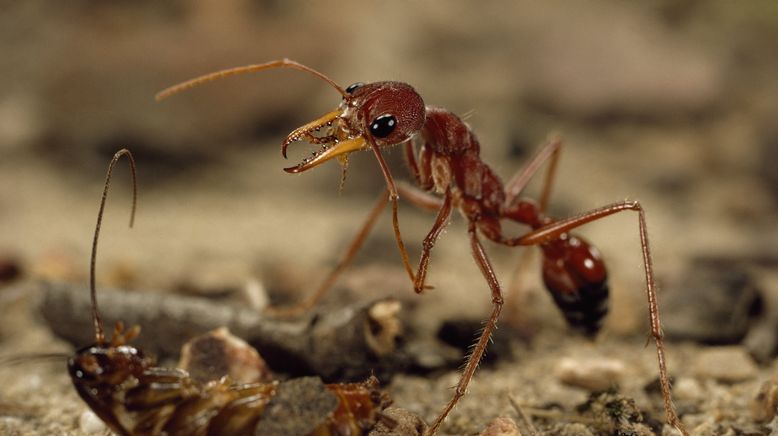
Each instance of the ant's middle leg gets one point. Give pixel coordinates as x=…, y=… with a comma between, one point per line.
x=429, y=242
x=479, y=255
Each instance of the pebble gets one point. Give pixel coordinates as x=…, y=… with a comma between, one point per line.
x=385, y=326
x=501, y=427
x=407, y=424
x=729, y=364
x=88, y=422
x=218, y=353
x=593, y=374
x=686, y=388
x=254, y=293
x=298, y=407
x=765, y=406
x=762, y=339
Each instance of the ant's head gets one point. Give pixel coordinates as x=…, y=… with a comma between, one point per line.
x=375, y=114
x=369, y=116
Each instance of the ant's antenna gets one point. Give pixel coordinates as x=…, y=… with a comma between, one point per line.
x=98, y=321
x=281, y=63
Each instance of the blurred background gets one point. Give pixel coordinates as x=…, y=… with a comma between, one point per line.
x=672, y=103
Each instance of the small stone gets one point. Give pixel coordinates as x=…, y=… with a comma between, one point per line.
x=593, y=374
x=724, y=364
x=765, y=406
x=255, y=294
x=501, y=427
x=218, y=353
x=88, y=422
x=383, y=327
x=399, y=422
x=762, y=339
x=299, y=406
x=613, y=413
x=687, y=389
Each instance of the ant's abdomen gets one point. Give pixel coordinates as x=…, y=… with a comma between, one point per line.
x=574, y=273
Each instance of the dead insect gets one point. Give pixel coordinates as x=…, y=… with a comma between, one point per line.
x=134, y=397
x=447, y=163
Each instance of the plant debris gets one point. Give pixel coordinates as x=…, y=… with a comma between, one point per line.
x=345, y=344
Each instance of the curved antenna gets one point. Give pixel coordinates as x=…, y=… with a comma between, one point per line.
x=281, y=63
x=98, y=320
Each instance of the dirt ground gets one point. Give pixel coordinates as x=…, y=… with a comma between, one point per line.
x=672, y=104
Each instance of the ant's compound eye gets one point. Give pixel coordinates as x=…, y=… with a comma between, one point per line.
x=383, y=126
x=353, y=87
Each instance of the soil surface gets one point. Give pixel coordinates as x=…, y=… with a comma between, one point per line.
x=671, y=104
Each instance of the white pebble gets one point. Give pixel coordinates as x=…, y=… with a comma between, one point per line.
x=687, y=389
x=255, y=294
x=725, y=364
x=88, y=422
x=593, y=374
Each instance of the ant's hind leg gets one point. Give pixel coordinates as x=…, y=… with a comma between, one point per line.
x=519, y=294
x=516, y=185
x=557, y=228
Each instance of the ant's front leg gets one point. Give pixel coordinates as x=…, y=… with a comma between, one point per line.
x=393, y=197
x=422, y=173
x=424, y=200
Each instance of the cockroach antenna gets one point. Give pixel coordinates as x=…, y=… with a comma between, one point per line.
x=281, y=63
x=98, y=320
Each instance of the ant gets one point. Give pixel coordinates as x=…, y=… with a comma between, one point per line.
x=442, y=155
x=133, y=396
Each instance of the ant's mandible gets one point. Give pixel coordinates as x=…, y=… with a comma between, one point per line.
x=443, y=158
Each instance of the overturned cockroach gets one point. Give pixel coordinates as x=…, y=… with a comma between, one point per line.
x=443, y=155
x=134, y=397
